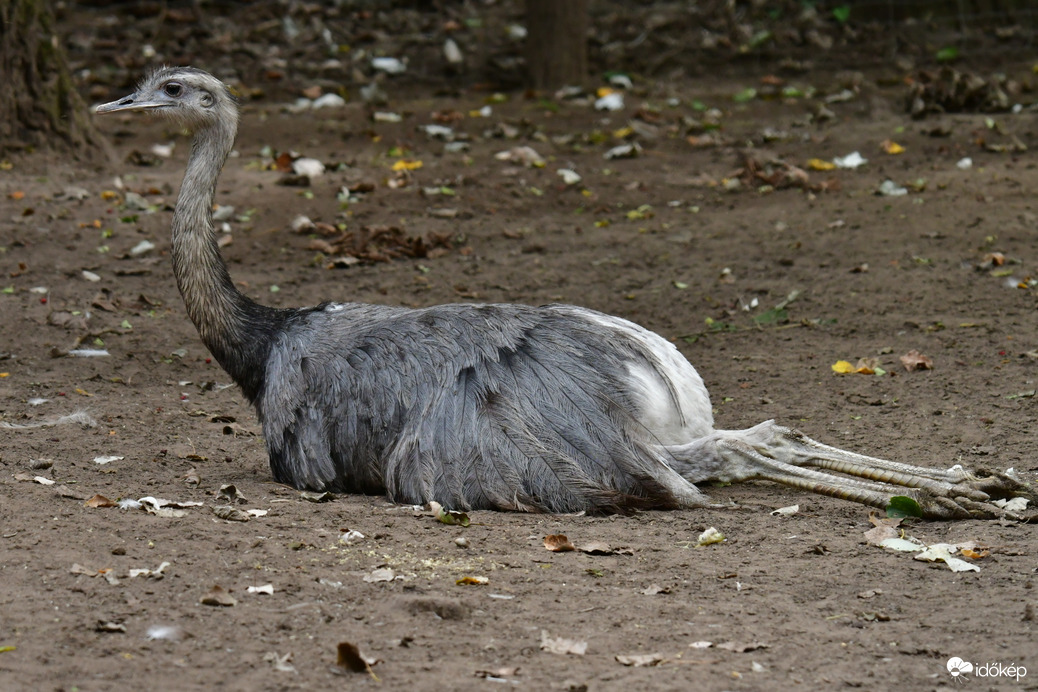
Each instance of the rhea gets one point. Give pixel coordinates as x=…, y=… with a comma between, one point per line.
x=555, y=408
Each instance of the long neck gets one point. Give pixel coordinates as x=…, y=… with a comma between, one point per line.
x=236, y=330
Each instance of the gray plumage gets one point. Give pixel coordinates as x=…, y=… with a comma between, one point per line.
x=554, y=408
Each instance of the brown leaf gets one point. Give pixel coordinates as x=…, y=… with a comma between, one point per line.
x=878, y=534
x=914, y=360
x=597, y=548
x=349, y=657
x=867, y=366
x=558, y=543
x=883, y=528
x=218, y=596
x=229, y=513
x=229, y=493
x=100, y=501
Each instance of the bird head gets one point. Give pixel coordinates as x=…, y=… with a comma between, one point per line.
x=188, y=96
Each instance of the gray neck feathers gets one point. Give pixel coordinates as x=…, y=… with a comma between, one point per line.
x=221, y=313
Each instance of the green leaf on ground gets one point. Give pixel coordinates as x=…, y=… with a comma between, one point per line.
x=773, y=316
x=903, y=506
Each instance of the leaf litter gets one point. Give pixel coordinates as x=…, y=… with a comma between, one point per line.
x=218, y=596
x=349, y=657
x=887, y=533
x=562, y=646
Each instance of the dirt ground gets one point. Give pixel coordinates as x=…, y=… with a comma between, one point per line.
x=668, y=239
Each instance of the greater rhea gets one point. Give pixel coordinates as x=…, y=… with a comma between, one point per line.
x=551, y=409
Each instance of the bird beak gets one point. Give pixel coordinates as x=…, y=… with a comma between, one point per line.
x=133, y=102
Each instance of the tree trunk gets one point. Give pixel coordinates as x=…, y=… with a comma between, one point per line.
x=39, y=105
x=556, y=42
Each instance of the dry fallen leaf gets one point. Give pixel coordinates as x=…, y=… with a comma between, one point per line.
x=639, y=660
x=446, y=516
x=914, y=360
x=228, y=513
x=349, y=657
x=472, y=581
x=218, y=596
x=820, y=165
x=281, y=663
x=498, y=673
x=654, y=589
x=380, y=574
x=710, y=536
x=842, y=367
x=558, y=645
x=975, y=554
x=109, y=626
x=407, y=165
x=80, y=569
x=867, y=366
x=100, y=501
x=230, y=494
x=892, y=147
x=742, y=648
x=883, y=528
x=265, y=589
x=157, y=573
x=942, y=552
x=599, y=548
x=558, y=543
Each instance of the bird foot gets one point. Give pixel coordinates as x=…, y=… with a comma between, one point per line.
x=1001, y=485
x=996, y=486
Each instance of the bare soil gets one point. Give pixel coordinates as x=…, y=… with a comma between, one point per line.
x=664, y=239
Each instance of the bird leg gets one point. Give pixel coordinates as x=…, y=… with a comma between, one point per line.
x=772, y=452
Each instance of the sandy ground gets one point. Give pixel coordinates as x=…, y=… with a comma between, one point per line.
x=662, y=239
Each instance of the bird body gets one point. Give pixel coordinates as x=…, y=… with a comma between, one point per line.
x=476, y=406
x=555, y=408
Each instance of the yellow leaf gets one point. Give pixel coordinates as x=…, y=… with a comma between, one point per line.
x=5, y=374
x=406, y=165
x=83, y=392
x=109, y=195
x=843, y=367
x=892, y=147
x=472, y=581
x=623, y=132
x=604, y=91
x=820, y=165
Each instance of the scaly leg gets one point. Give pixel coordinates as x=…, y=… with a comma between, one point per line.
x=772, y=452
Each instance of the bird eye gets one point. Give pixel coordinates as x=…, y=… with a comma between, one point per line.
x=173, y=89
